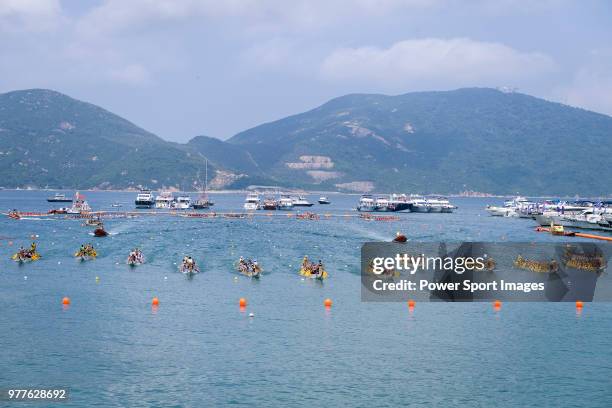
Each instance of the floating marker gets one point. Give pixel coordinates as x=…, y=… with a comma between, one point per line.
x=579, y=304
x=66, y=301
x=155, y=301
x=242, y=302
x=327, y=303
x=497, y=304
x=411, y=304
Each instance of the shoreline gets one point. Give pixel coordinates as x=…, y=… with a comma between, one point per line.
x=319, y=192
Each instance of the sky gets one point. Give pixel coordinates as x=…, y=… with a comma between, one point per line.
x=181, y=68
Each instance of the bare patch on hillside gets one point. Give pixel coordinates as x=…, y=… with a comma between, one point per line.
x=357, y=186
x=320, y=176
x=311, y=163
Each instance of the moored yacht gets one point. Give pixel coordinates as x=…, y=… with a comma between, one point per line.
x=285, y=203
x=182, y=202
x=144, y=199
x=324, y=200
x=440, y=205
x=301, y=201
x=270, y=203
x=418, y=204
x=164, y=200
x=251, y=202
x=59, y=198
x=366, y=203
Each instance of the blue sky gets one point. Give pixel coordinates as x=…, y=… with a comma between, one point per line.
x=181, y=68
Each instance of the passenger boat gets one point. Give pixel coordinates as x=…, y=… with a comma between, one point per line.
x=440, y=205
x=300, y=201
x=144, y=199
x=59, y=198
x=270, y=203
x=164, y=200
x=419, y=205
x=79, y=205
x=366, y=203
x=251, y=202
x=324, y=200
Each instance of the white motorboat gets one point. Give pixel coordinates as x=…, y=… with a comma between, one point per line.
x=324, y=200
x=511, y=208
x=301, y=201
x=366, y=203
x=419, y=205
x=251, y=202
x=285, y=203
x=440, y=205
x=182, y=202
x=164, y=200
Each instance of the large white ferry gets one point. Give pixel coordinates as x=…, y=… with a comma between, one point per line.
x=144, y=199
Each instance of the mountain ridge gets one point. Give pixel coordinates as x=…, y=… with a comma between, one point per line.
x=478, y=139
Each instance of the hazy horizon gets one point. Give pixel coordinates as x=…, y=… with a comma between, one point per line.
x=197, y=67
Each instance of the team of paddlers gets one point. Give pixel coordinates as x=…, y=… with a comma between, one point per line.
x=135, y=257
x=86, y=251
x=26, y=254
x=249, y=267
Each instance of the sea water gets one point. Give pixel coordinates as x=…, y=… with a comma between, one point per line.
x=111, y=348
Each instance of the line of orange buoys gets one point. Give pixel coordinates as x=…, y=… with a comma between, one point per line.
x=327, y=303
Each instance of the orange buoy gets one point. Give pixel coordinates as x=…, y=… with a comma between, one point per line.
x=66, y=301
x=327, y=303
x=411, y=303
x=497, y=304
x=579, y=304
x=242, y=302
x=155, y=301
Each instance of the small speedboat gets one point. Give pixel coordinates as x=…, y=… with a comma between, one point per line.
x=100, y=231
x=324, y=200
x=399, y=237
x=116, y=205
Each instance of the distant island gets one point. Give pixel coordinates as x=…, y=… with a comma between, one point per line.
x=467, y=140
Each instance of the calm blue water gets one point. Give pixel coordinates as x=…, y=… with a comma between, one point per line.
x=198, y=349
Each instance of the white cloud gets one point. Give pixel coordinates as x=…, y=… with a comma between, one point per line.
x=591, y=86
x=119, y=15
x=29, y=15
x=444, y=62
x=132, y=74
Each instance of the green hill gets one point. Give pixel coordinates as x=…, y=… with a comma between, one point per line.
x=50, y=139
x=468, y=139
